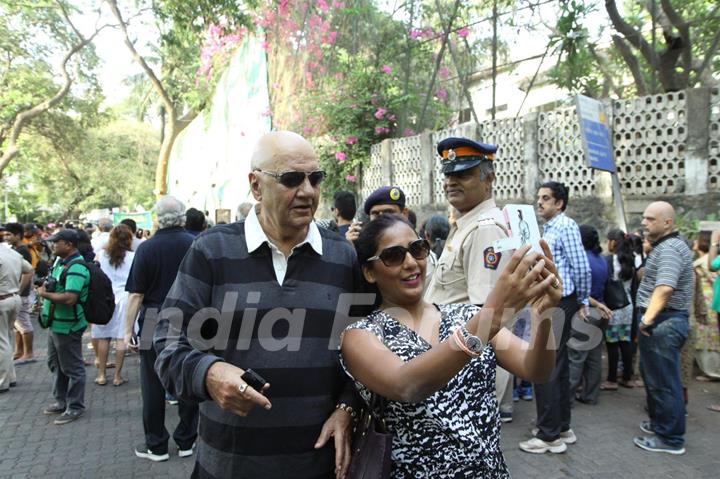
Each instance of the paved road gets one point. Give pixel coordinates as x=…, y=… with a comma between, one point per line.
x=101, y=443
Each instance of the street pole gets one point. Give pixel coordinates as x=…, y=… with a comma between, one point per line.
x=494, y=58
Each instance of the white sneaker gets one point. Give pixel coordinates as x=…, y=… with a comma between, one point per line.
x=186, y=452
x=142, y=451
x=568, y=437
x=538, y=446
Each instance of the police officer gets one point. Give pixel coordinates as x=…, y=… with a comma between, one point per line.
x=469, y=266
x=384, y=200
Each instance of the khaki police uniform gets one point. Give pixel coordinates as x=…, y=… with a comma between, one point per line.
x=469, y=267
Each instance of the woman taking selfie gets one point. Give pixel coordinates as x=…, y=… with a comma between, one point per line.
x=435, y=364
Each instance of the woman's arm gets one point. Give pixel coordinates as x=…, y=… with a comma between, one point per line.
x=383, y=372
x=533, y=361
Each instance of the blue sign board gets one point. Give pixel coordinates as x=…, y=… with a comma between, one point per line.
x=595, y=134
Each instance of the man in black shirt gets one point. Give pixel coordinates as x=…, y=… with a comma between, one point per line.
x=151, y=275
x=23, y=324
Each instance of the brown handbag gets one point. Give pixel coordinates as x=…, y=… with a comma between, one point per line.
x=372, y=444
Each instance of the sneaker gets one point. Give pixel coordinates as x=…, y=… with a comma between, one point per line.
x=505, y=416
x=653, y=444
x=568, y=437
x=141, y=450
x=172, y=402
x=526, y=393
x=646, y=427
x=538, y=446
x=186, y=452
x=516, y=395
x=54, y=409
x=67, y=416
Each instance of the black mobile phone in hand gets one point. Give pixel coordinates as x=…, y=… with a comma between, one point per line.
x=254, y=380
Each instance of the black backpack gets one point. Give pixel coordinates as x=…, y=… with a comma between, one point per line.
x=100, y=304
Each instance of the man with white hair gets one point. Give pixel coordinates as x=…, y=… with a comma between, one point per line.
x=151, y=275
x=277, y=281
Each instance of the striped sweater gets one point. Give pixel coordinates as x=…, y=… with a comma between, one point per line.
x=294, y=349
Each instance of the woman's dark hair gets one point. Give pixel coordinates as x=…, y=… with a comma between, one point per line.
x=367, y=243
x=437, y=229
x=559, y=192
x=119, y=243
x=590, y=239
x=703, y=239
x=624, y=250
x=84, y=246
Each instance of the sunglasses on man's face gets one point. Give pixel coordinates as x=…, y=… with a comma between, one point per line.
x=395, y=255
x=293, y=179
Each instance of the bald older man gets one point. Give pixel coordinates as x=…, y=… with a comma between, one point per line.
x=663, y=302
x=270, y=285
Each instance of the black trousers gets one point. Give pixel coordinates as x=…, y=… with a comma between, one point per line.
x=552, y=398
x=153, y=397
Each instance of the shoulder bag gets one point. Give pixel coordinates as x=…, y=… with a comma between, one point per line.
x=372, y=444
x=615, y=295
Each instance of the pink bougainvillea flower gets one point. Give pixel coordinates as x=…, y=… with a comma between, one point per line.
x=382, y=130
x=392, y=118
x=386, y=69
x=463, y=32
x=307, y=130
x=409, y=132
x=415, y=34
x=380, y=113
x=339, y=76
x=441, y=94
x=337, y=4
x=351, y=140
x=444, y=72
x=340, y=156
x=350, y=178
x=322, y=5
x=267, y=112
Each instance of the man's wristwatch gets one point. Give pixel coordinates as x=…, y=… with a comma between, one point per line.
x=472, y=342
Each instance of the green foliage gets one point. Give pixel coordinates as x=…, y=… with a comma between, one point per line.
x=71, y=169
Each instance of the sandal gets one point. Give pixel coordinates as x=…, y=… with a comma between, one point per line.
x=609, y=386
x=626, y=384
x=100, y=381
x=714, y=407
x=117, y=383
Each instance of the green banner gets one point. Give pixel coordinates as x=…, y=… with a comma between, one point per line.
x=144, y=220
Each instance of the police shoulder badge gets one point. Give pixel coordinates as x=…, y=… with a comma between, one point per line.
x=491, y=258
x=394, y=194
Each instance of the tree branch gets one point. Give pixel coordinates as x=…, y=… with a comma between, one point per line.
x=602, y=64
x=633, y=36
x=632, y=63
x=709, y=55
x=24, y=117
x=164, y=96
x=684, y=30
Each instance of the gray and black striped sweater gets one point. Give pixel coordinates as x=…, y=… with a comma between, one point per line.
x=294, y=349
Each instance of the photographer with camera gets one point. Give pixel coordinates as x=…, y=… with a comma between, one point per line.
x=62, y=291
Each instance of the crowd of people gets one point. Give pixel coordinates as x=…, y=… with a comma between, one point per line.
x=275, y=333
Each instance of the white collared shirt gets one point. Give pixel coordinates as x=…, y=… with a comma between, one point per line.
x=256, y=237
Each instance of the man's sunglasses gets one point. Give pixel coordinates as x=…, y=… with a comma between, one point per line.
x=395, y=255
x=293, y=179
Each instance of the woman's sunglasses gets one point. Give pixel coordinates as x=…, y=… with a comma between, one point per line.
x=293, y=179
x=395, y=255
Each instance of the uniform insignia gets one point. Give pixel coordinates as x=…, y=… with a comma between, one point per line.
x=491, y=258
x=394, y=194
x=451, y=154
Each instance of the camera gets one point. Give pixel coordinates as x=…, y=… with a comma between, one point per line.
x=49, y=282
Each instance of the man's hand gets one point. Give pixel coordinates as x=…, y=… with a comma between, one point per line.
x=339, y=426
x=40, y=290
x=230, y=392
x=353, y=231
x=645, y=326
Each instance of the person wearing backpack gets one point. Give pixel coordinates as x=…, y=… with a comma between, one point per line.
x=63, y=314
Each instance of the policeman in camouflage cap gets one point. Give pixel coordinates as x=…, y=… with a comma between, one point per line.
x=469, y=267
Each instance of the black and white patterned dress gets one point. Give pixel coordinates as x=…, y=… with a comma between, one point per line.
x=455, y=433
